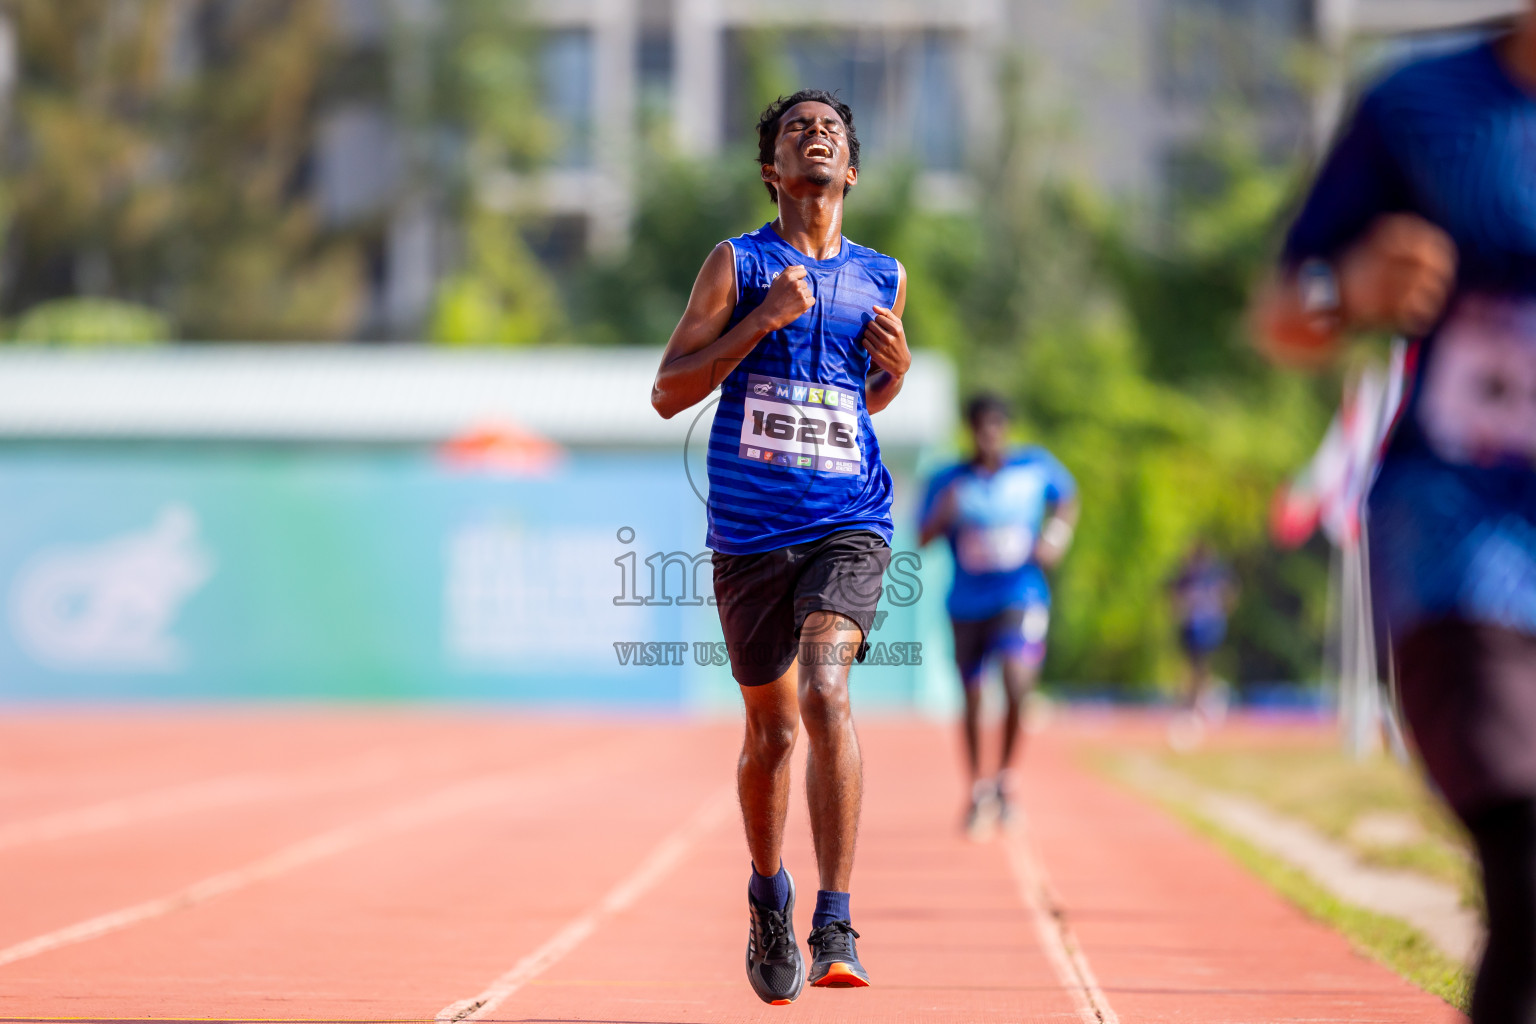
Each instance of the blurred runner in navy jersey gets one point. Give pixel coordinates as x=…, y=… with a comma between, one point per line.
x=1203, y=595
x=1008, y=515
x=1423, y=221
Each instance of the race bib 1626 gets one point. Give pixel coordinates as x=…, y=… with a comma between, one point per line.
x=802, y=425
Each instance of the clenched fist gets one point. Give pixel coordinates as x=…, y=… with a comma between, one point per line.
x=787, y=300
x=885, y=339
x=1399, y=275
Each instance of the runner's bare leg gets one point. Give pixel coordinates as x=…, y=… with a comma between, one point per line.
x=970, y=727
x=762, y=776
x=834, y=777
x=1018, y=680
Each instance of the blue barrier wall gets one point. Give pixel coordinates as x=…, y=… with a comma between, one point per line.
x=205, y=572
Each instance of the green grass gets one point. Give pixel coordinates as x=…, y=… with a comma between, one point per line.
x=1320, y=785
x=1391, y=942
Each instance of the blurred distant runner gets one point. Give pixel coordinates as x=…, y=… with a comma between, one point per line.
x=1203, y=595
x=801, y=331
x=1008, y=516
x=1423, y=221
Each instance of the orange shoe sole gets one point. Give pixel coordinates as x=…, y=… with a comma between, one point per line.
x=840, y=976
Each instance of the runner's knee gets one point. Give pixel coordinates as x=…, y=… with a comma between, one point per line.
x=1017, y=682
x=823, y=699
x=770, y=739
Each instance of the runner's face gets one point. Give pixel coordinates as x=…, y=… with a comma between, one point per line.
x=812, y=148
x=991, y=434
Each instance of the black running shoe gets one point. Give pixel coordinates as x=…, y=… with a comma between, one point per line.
x=774, y=964
x=834, y=957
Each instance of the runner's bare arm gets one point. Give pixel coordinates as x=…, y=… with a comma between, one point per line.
x=1397, y=277
x=886, y=341
x=939, y=519
x=698, y=356
x=1056, y=536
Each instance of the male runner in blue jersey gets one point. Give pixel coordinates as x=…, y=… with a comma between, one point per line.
x=1423, y=221
x=801, y=331
x=1203, y=597
x=1008, y=516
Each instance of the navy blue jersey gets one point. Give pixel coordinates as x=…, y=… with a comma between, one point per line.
x=1201, y=590
x=1453, y=140
x=997, y=521
x=792, y=454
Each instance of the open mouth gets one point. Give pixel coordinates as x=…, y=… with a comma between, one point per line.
x=818, y=150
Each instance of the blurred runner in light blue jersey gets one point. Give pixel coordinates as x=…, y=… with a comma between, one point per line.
x=1008, y=515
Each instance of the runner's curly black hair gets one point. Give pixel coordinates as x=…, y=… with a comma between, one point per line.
x=768, y=128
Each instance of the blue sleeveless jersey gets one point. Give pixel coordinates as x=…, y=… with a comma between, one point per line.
x=1453, y=513
x=792, y=454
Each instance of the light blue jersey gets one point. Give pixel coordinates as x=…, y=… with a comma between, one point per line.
x=998, y=519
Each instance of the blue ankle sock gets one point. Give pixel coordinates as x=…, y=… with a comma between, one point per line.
x=830, y=906
x=773, y=891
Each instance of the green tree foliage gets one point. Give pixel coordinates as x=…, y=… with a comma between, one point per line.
x=91, y=322
x=486, y=94
x=687, y=209
x=162, y=152
x=157, y=156
x=502, y=295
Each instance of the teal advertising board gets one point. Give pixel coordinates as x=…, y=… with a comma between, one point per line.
x=293, y=573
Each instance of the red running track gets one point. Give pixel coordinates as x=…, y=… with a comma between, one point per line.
x=351, y=866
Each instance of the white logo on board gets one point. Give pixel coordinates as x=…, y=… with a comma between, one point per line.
x=512, y=594
x=110, y=606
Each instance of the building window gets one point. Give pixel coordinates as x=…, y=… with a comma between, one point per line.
x=357, y=163
x=1216, y=49
x=654, y=65
x=937, y=124
x=853, y=67
x=566, y=69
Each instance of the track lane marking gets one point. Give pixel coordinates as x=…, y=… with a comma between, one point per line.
x=530, y=784
x=201, y=795
x=666, y=856
x=1057, y=939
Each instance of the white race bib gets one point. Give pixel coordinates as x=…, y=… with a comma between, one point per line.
x=801, y=425
x=1004, y=548
x=1479, y=399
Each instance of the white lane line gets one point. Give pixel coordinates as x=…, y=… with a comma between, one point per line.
x=665, y=857
x=187, y=798
x=1061, y=946
x=532, y=784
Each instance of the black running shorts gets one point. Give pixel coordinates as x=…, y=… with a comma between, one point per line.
x=1014, y=632
x=764, y=599
x=1468, y=692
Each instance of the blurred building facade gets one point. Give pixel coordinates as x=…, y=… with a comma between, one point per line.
x=1130, y=82
x=1127, y=90
x=1133, y=84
